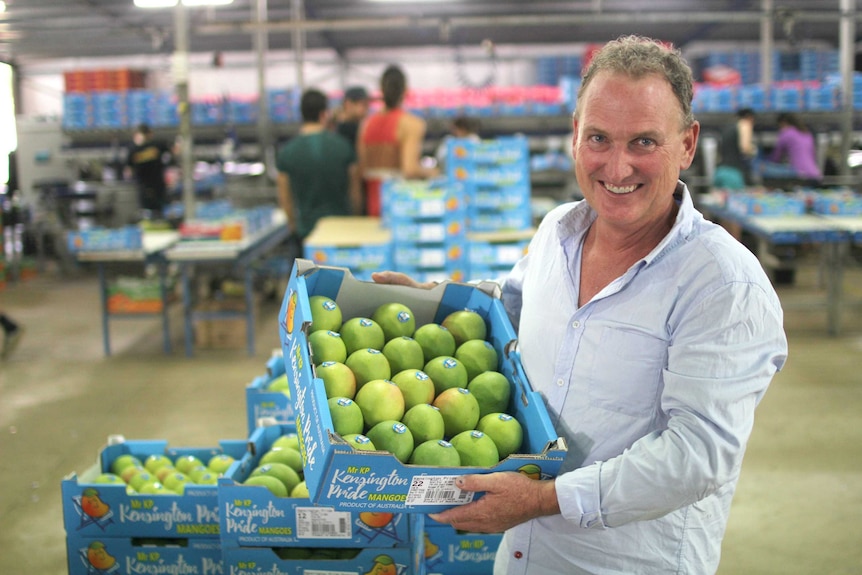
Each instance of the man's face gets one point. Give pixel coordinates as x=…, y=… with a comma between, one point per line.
x=356, y=109
x=629, y=148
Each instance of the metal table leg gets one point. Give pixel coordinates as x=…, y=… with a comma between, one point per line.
x=103, y=292
x=163, y=289
x=249, y=311
x=187, y=310
x=832, y=254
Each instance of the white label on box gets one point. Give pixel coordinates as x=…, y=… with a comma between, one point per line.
x=432, y=258
x=432, y=208
x=322, y=523
x=431, y=233
x=436, y=490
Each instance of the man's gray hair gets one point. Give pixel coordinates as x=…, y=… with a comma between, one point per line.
x=637, y=56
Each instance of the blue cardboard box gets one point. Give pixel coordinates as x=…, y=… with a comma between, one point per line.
x=498, y=249
x=261, y=403
x=119, y=555
x=452, y=552
x=338, y=475
x=765, y=204
x=104, y=239
x=253, y=517
x=360, y=244
x=371, y=560
x=422, y=199
x=838, y=204
x=451, y=226
x=122, y=514
x=428, y=256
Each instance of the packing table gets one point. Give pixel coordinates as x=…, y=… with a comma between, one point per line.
x=832, y=235
x=240, y=255
x=154, y=244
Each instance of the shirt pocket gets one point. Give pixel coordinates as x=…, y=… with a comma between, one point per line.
x=626, y=371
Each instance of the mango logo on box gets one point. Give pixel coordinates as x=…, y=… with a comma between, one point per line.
x=291, y=312
x=452, y=204
x=98, y=557
x=383, y=565
x=319, y=257
x=454, y=228
x=460, y=152
x=461, y=173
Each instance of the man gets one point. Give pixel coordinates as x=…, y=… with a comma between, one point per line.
x=354, y=108
x=317, y=173
x=147, y=159
x=651, y=335
x=390, y=141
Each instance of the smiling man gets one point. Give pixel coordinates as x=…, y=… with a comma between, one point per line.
x=650, y=333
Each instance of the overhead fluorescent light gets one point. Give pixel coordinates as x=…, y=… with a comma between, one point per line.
x=171, y=3
x=207, y=2
x=155, y=3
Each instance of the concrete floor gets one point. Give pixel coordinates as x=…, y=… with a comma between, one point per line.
x=798, y=509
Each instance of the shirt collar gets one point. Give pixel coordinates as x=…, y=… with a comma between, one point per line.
x=577, y=220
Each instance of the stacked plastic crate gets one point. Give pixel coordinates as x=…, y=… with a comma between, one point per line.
x=428, y=223
x=496, y=178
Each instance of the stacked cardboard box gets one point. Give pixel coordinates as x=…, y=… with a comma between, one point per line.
x=428, y=221
x=358, y=243
x=111, y=528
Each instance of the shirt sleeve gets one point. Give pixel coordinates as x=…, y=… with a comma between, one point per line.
x=723, y=352
x=780, y=148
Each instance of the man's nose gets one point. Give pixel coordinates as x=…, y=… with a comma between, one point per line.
x=618, y=165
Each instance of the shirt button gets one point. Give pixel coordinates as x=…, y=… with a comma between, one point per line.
x=576, y=324
x=560, y=382
x=518, y=554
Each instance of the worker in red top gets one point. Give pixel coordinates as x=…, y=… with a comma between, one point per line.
x=390, y=141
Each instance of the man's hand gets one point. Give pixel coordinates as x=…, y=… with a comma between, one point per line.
x=398, y=278
x=510, y=499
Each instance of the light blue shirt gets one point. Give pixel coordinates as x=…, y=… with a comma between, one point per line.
x=653, y=383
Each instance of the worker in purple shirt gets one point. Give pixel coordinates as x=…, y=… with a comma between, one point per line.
x=794, y=154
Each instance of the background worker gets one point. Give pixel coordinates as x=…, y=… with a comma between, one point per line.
x=462, y=127
x=736, y=150
x=147, y=160
x=12, y=333
x=651, y=335
x=390, y=141
x=354, y=109
x=794, y=154
x=317, y=172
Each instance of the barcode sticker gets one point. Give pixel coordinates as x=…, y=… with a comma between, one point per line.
x=436, y=490
x=322, y=523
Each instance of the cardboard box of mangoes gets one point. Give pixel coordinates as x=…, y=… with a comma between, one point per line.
x=268, y=397
x=378, y=433
x=255, y=513
x=452, y=552
x=144, y=488
x=91, y=555
x=321, y=560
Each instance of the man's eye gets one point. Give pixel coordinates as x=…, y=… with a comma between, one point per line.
x=597, y=139
x=646, y=142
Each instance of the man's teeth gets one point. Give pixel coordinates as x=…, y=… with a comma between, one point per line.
x=620, y=189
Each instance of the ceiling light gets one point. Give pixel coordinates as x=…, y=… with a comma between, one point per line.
x=155, y=3
x=170, y=3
